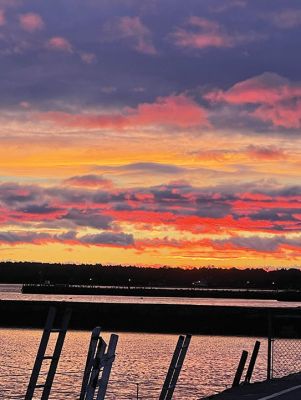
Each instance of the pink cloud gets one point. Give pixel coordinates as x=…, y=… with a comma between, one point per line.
x=133, y=30
x=286, y=115
x=267, y=88
x=31, y=22
x=88, y=58
x=207, y=34
x=2, y=18
x=265, y=152
x=60, y=43
x=93, y=181
x=286, y=19
x=176, y=110
x=225, y=6
x=276, y=99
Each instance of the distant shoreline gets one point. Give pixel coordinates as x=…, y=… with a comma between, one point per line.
x=64, y=289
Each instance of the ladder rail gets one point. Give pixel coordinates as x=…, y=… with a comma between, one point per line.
x=40, y=354
x=56, y=355
x=40, y=357
x=91, y=387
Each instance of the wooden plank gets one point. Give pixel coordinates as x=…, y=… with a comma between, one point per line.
x=107, y=363
x=171, y=368
x=240, y=368
x=89, y=363
x=252, y=362
x=178, y=367
x=91, y=387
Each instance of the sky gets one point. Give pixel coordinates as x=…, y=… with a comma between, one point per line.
x=156, y=132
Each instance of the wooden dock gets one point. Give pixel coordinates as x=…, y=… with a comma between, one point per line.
x=287, y=388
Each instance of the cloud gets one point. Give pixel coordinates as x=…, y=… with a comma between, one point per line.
x=152, y=167
x=88, y=218
x=132, y=30
x=2, y=18
x=31, y=22
x=107, y=238
x=95, y=181
x=23, y=237
x=225, y=6
x=69, y=237
x=201, y=33
x=60, y=43
x=275, y=99
x=176, y=110
x=87, y=58
x=265, y=152
x=259, y=244
x=285, y=19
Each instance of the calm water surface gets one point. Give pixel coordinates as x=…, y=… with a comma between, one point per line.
x=210, y=364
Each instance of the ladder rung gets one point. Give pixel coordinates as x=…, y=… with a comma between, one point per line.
x=56, y=330
x=48, y=357
x=40, y=385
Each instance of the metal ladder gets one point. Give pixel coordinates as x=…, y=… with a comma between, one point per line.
x=175, y=367
x=98, y=361
x=54, y=357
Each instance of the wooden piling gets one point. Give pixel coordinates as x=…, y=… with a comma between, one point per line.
x=252, y=362
x=240, y=368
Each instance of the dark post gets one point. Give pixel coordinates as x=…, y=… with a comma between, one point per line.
x=240, y=368
x=270, y=339
x=252, y=362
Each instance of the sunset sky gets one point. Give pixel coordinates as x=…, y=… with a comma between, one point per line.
x=156, y=132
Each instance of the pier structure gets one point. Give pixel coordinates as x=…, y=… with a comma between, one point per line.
x=286, y=388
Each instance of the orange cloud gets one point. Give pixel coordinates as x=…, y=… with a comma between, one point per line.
x=31, y=22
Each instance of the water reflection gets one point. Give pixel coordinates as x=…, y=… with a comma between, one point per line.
x=141, y=358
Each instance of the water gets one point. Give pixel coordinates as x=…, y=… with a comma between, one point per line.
x=209, y=367
x=13, y=292
x=142, y=358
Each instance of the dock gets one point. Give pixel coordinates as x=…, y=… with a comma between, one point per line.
x=287, y=388
x=158, y=318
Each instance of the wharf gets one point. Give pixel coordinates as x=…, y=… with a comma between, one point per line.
x=161, y=318
x=287, y=388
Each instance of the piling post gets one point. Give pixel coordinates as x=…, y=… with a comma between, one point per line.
x=252, y=362
x=240, y=368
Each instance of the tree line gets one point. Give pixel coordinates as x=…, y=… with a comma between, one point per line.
x=33, y=272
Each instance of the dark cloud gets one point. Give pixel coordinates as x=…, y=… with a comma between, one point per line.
x=116, y=239
x=88, y=217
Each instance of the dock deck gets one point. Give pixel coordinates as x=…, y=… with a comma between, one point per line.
x=287, y=388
